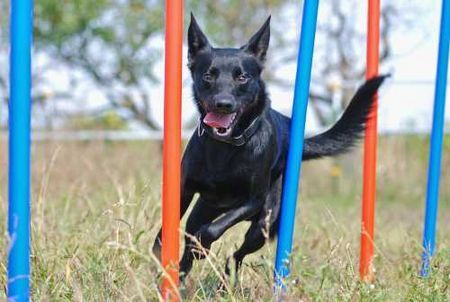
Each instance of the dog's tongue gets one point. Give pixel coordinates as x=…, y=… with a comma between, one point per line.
x=218, y=120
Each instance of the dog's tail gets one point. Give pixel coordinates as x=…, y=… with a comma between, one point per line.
x=349, y=128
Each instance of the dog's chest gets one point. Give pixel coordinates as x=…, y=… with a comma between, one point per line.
x=222, y=182
x=226, y=175
x=224, y=178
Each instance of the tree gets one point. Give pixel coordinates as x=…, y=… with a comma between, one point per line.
x=110, y=42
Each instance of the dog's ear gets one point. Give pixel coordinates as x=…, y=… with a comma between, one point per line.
x=197, y=40
x=259, y=43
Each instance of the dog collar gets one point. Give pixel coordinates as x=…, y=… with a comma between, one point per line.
x=239, y=140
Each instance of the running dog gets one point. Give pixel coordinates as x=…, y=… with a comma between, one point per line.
x=236, y=158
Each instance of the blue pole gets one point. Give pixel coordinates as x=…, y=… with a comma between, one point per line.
x=434, y=168
x=294, y=159
x=19, y=151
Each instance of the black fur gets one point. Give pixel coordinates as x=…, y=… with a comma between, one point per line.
x=237, y=183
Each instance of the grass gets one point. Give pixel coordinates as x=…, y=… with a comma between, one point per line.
x=96, y=210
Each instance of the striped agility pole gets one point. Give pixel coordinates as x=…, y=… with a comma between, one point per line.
x=172, y=149
x=370, y=150
x=294, y=159
x=19, y=151
x=434, y=166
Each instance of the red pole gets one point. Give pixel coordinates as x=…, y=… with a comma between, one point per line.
x=370, y=149
x=172, y=148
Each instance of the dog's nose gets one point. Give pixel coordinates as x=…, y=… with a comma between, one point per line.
x=224, y=104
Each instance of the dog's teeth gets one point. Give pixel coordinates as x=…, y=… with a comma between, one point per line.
x=233, y=117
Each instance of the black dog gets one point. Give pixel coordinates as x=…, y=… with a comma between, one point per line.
x=236, y=159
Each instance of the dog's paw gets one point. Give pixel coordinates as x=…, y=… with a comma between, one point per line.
x=185, y=266
x=205, y=236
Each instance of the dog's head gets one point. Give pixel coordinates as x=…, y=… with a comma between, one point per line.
x=228, y=88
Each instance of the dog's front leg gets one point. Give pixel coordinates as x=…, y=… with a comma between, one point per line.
x=209, y=233
x=201, y=214
x=201, y=224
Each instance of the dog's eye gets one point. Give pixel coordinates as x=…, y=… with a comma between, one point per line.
x=207, y=77
x=242, y=79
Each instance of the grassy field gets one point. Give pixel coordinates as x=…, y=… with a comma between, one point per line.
x=96, y=210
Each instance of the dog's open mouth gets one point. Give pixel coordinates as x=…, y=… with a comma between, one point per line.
x=222, y=123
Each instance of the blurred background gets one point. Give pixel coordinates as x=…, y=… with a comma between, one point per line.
x=99, y=65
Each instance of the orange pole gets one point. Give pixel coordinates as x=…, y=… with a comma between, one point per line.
x=370, y=149
x=172, y=149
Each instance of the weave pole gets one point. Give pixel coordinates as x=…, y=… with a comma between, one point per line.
x=172, y=148
x=434, y=166
x=19, y=151
x=294, y=159
x=370, y=150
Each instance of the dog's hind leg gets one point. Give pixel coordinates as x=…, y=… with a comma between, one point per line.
x=202, y=214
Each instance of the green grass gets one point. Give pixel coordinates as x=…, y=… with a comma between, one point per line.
x=96, y=210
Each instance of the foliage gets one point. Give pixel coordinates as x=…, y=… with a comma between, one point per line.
x=240, y=18
x=110, y=42
x=59, y=21
x=107, y=121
